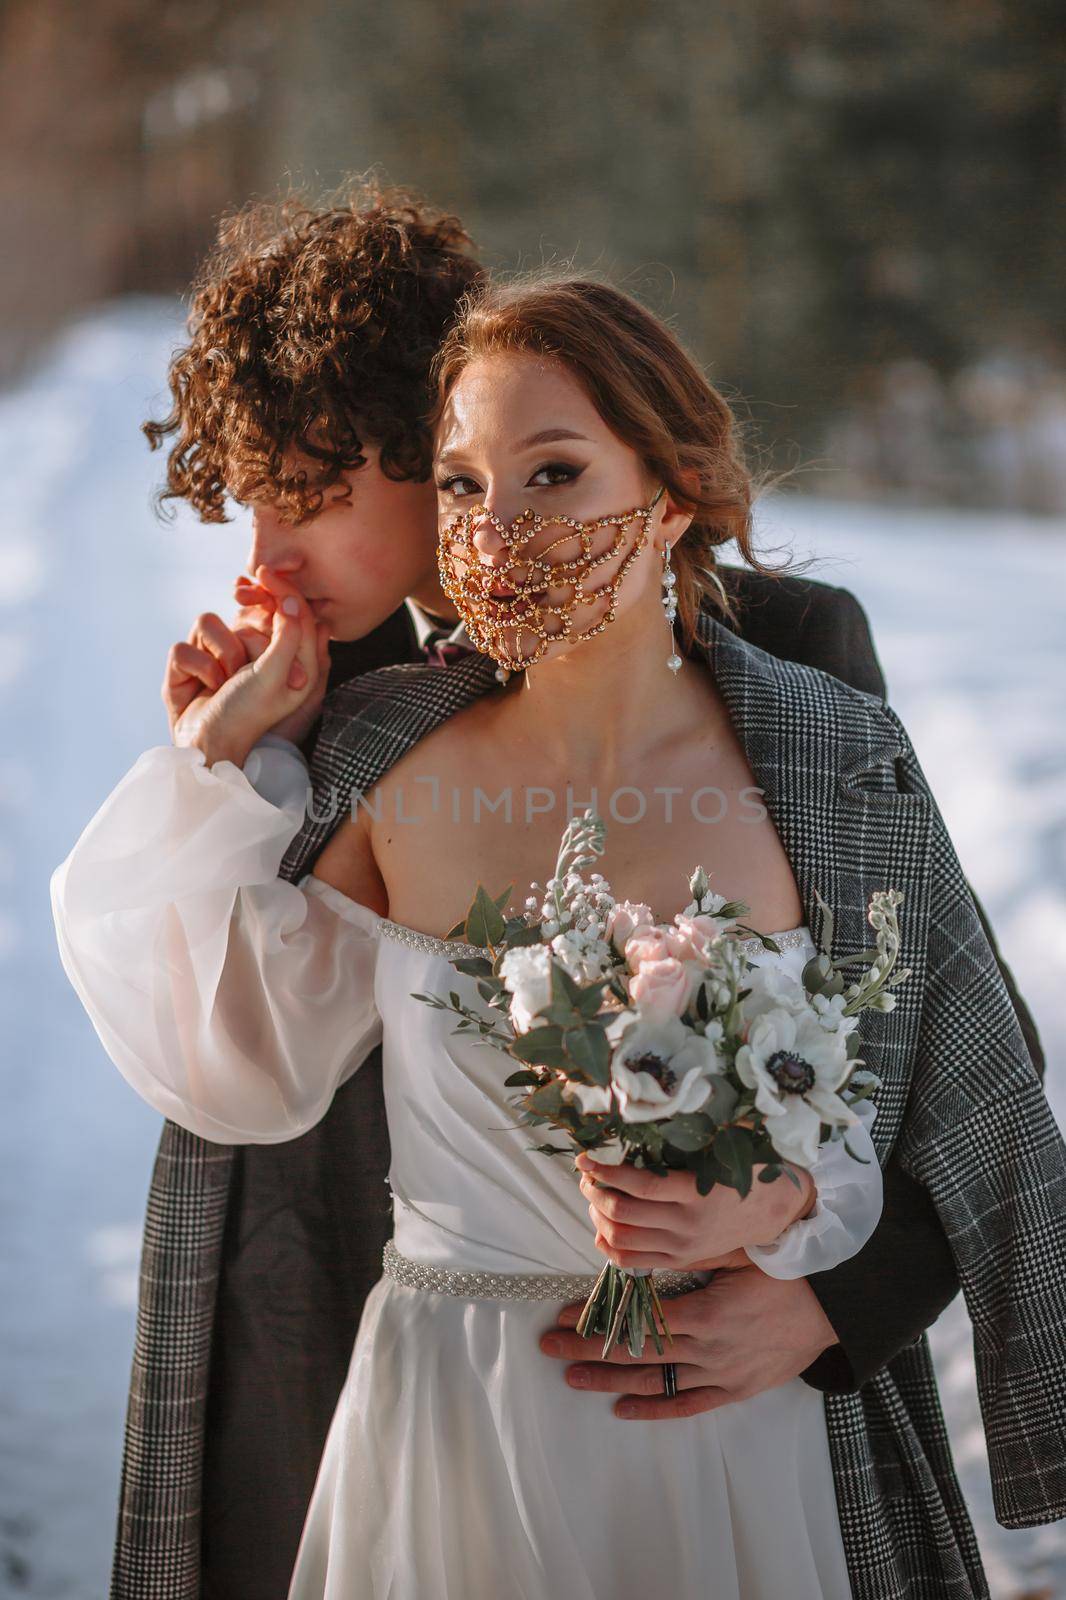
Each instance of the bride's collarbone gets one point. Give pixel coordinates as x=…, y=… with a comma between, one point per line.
x=425, y=862
x=463, y=807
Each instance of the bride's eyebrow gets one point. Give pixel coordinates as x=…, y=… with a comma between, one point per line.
x=451, y=457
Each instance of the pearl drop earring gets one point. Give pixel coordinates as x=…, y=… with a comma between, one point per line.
x=673, y=660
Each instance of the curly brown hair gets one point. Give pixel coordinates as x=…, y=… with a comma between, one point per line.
x=312, y=327
x=650, y=393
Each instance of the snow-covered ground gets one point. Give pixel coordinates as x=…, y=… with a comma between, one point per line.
x=969, y=618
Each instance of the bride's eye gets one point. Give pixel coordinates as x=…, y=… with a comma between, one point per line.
x=457, y=485
x=552, y=475
x=559, y=472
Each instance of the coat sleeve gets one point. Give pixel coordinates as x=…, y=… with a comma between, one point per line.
x=980, y=1136
x=234, y=1002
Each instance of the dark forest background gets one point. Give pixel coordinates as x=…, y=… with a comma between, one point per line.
x=853, y=212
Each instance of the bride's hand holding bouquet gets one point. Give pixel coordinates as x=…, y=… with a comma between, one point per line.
x=643, y=1219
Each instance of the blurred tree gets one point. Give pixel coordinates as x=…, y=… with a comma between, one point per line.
x=124, y=130
x=814, y=189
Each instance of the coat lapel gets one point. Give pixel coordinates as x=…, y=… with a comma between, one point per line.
x=823, y=755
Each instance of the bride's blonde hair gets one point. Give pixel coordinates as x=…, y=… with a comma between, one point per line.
x=649, y=392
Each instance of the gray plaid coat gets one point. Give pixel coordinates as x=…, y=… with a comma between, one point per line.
x=961, y=1104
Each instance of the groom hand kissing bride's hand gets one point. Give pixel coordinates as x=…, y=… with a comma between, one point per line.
x=224, y=687
x=646, y=1220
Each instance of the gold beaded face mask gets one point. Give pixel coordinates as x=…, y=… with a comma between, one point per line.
x=550, y=559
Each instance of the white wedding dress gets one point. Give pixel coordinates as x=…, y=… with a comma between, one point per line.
x=459, y=1464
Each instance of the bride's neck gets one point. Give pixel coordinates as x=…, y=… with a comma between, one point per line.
x=598, y=709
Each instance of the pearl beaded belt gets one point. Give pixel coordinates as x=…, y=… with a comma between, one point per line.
x=514, y=1285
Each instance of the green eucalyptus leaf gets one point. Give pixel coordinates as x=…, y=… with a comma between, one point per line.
x=689, y=1130
x=516, y=939
x=591, y=997
x=547, y=1099
x=474, y=966
x=733, y=1149
x=484, y=924
x=564, y=988
x=590, y=1053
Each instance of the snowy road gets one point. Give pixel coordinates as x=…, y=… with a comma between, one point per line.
x=970, y=623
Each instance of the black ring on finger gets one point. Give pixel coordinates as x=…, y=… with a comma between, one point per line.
x=669, y=1378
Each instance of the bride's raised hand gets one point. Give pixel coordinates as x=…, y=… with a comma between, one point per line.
x=644, y=1219
x=222, y=704
x=253, y=624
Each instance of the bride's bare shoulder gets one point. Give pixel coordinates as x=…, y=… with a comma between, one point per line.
x=348, y=863
x=405, y=793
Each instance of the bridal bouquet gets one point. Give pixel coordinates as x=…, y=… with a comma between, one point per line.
x=661, y=1044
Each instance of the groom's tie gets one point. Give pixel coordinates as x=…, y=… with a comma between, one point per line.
x=440, y=651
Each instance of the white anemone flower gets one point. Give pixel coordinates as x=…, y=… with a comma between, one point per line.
x=659, y=1067
x=795, y=1067
x=772, y=989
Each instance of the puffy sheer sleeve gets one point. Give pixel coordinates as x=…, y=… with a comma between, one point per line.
x=846, y=1211
x=235, y=1002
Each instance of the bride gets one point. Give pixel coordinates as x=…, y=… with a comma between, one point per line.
x=585, y=471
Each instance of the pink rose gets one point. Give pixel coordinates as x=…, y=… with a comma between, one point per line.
x=624, y=920
x=647, y=944
x=690, y=939
x=661, y=987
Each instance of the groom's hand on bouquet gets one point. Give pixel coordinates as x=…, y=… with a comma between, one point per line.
x=224, y=687
x=743, y=1333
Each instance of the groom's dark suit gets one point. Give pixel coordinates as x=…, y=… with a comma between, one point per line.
x=305, y=1222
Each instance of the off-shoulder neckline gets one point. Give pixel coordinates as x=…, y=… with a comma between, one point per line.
x=355, y=911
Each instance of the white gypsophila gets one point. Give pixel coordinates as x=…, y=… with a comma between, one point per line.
x=582, y=953
x=659, y=1067
x=526, y=974
x=795, y=1067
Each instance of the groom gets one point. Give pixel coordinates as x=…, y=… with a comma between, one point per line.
x=310, y=342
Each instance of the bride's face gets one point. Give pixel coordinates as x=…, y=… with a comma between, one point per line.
x=520, y=439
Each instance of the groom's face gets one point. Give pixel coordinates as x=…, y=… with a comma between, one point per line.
x=359, y=557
